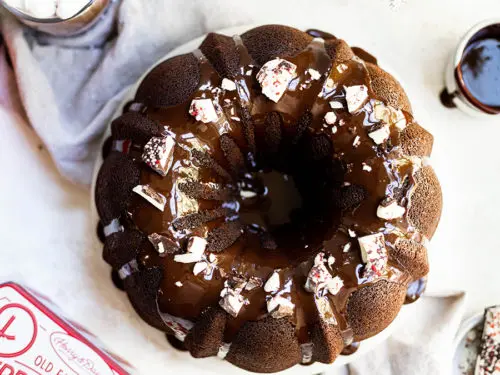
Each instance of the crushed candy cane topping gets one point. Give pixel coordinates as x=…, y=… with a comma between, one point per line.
x=275, y=76
x=159, y=154
x=149, y=194
x=203, y=110
x=374, y=255
x=320, y=280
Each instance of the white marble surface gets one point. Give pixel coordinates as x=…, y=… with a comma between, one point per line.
x=48, y=240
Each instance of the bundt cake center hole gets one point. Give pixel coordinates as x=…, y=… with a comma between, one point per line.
x=267, y=199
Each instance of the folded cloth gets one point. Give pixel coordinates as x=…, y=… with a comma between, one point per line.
x=421, y=342
x=71, y=87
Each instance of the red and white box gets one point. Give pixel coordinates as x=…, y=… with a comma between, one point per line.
x=34, y=340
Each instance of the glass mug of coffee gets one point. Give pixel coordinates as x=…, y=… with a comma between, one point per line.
x=472, y=77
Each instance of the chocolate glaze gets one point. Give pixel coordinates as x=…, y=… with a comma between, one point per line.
x=360, y=52
x=100, y=232
x=364, y=55
x=350, y=349
x=315, y=33
x=106, y=147
x=478, y=73
x=117, y=281
x=447, y=99
x=176, y=343
x=415, y=290
x=337, y=194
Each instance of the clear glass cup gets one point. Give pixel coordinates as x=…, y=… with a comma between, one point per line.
x=73, y=25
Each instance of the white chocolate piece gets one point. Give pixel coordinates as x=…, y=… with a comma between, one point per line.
x=156, y=199
x=315, y=75
x=381, y=135
x=228, y=85
x=273, y=283
x=391, y=211
x=279, y=307
x=356, y=97
x=330, y=118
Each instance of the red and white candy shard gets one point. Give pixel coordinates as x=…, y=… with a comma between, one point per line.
x=374, y=254
x=122, y=145
x=158, y=154
x=275, y=76
x=148, y=193
x=488, y=360
x=334, y=285
x=231, y=300
x=317, y=278
x=356, y=97
x=179, y=326
x=203, y=110
x=320, y=279
x=319, y=259
x=279, y=307
x=195, y=251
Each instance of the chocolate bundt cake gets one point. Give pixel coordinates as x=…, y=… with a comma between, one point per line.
x=267, y=198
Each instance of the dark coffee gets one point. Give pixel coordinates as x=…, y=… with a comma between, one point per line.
x=478, y=74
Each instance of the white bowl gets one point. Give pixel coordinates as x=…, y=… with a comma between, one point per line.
x=213, y=364
x=464, y=355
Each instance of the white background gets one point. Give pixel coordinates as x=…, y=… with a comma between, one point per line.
x=48, y=239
